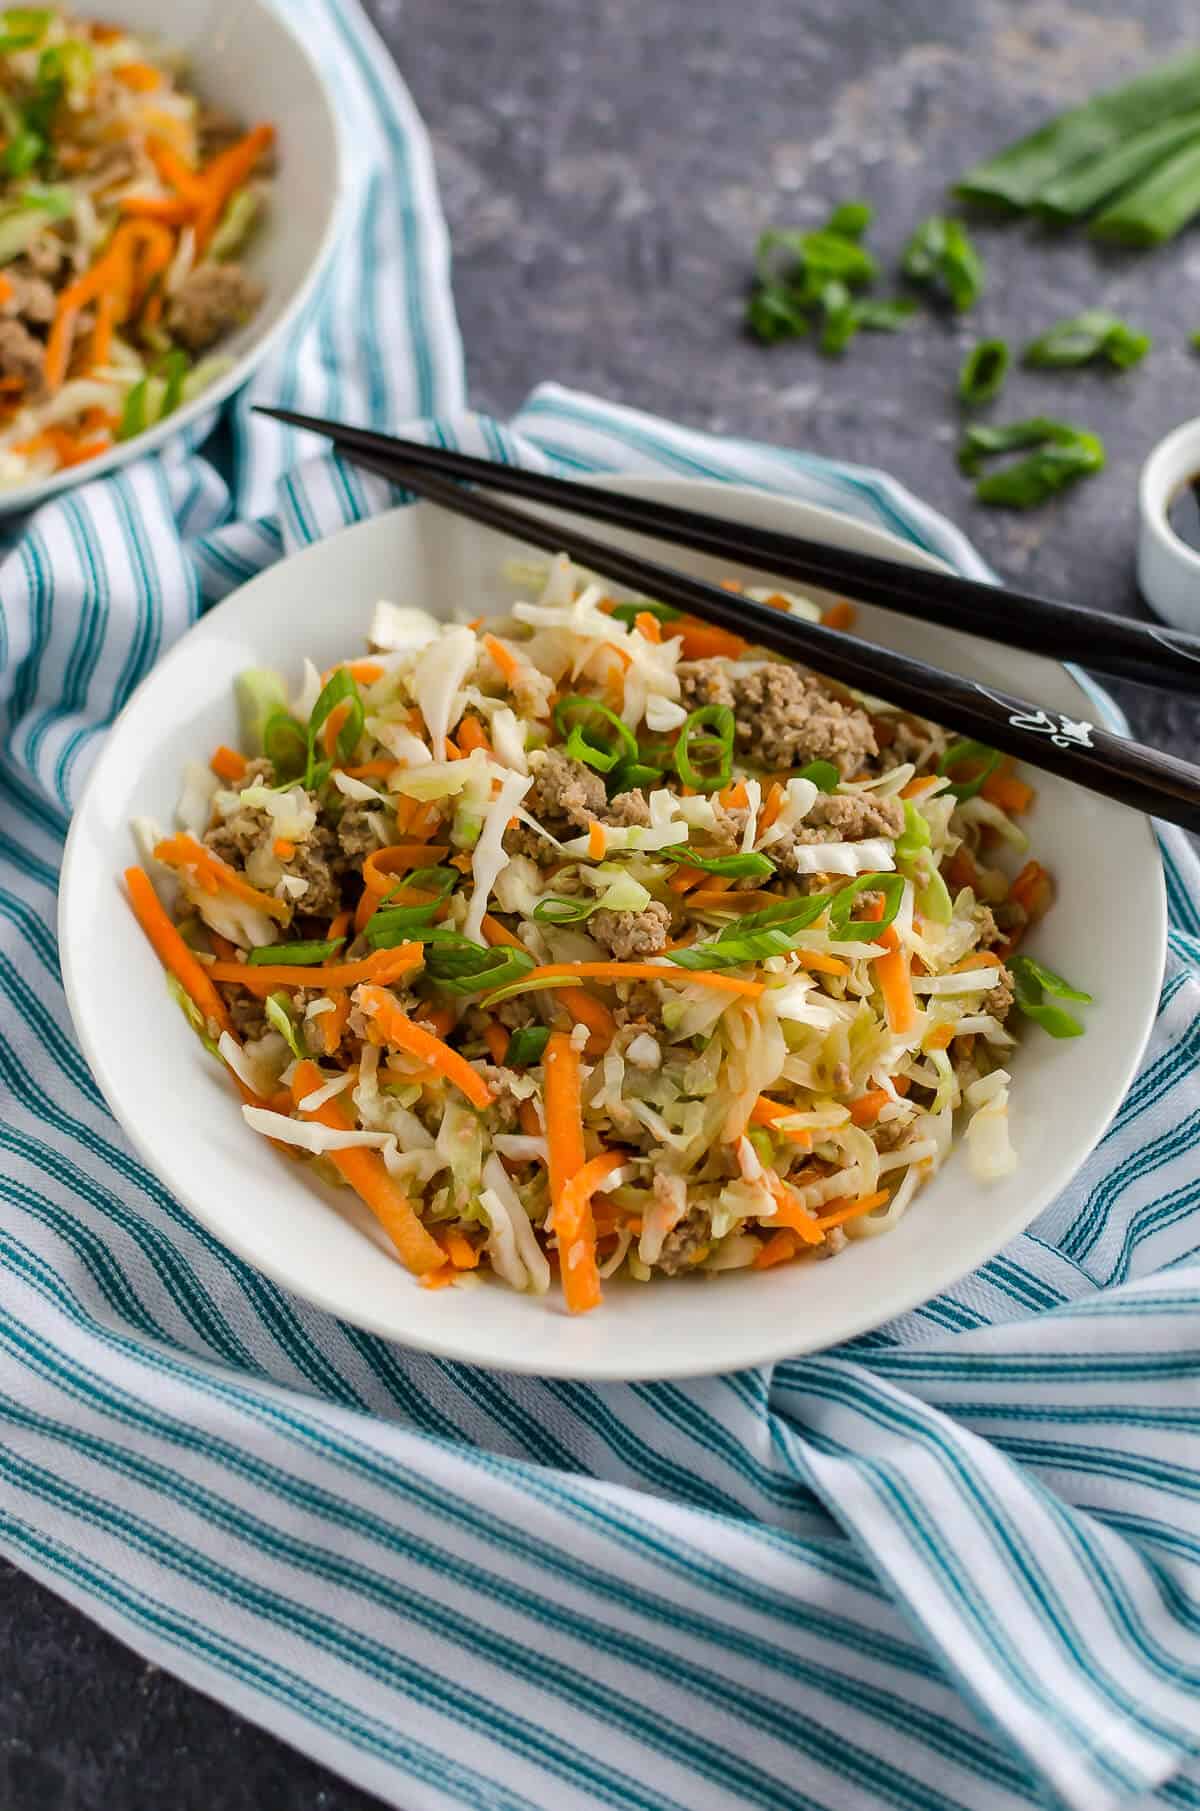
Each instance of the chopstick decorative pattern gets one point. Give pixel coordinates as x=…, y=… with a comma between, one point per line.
x=1113, y=766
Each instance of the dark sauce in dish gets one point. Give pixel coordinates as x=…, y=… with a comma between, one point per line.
x=1183, y=512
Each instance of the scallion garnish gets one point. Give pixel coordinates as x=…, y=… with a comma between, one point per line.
x=1032, y=981
x=913, y=860
x=850, y=219
x=526, y=1046
x=750, y=864
x=983, y=372
x=174, y=370
x=340, y=688
x=631, y=774
x=459, y=966
x=556, y=910
x=863, y=930
x=956, y=754
x=694, y=746
x=285, y=745
x=940, y=256
x=823, y=774
x=133, y=413
x=1075, y=193
x=1091, y=337
x=594, y=734
x=1157, y=207
x=645, y=606
x=295, y=955
x=1064, y=454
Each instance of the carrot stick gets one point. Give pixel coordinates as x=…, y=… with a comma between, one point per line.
x=472, y=735
x=772, y=806
x=704, y=641
x=797, y=1219
x=58, y=345
x=684, y=879
x=175, y=172
x=863, y=1205
x=838, y=616
x=495, y=932
x=597, y=841
x=101, y=346
x=895, y=984
x=587, y=1010
x=509, y=663
x=382, y=864
x=227, y=172
x=769, y=1112
x=142, y=78
x=575, y=1231
x=438, y=1019
x=866, y=1109
x=333, y=1024
x=168, y=210
x=495, y=1036
x=173, y=952
x=213, y=875
x=917, y=788
x=398, y=1030
x=1008, y=793
x=227, y=763
x=368, y=1176
x=383, y=967
x=459, y=1249
x=648, y=625
x=642, y=971
x=780, y=1248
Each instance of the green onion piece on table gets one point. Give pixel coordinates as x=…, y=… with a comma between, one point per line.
x=941, y=257
x=295, y=955
x=527, y=1045
x=850, y=219
x=1087, y=338
x=775, y=313
x=1194, y=341
x=1080, y=191
x=1156, y=208
x=984, y=438
x=983, y=371
x=1063, y=455
x=885, y=316
x=1031, y=983
x=1016, y=177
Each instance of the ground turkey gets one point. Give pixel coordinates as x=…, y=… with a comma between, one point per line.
x=686, y=1245
x=31, y=300
x=631, y=934
x=999, y=1001
x=21, y=356
x=628, y=808
x=990, y=934
x=316, y=860
x=785, y=718
x=213, y=299
x=704, y=682
x=362, y=828
x=852, y=816
x=565, y=794
x=249, y=1019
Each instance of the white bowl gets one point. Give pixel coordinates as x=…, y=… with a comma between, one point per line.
x=1168, y=569
x=1107, y=933
x=246, y=58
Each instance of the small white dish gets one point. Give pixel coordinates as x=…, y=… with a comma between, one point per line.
x=245, y=57
x=1107, y=932
x=1168, y=569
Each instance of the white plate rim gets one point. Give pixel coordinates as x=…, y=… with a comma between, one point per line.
x=748, y=1353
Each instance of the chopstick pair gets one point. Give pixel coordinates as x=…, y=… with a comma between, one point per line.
x=1111, y=765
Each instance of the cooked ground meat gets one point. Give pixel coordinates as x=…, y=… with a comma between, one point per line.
x=641, y=1010
x=564, y=792
x=786, y=718
x=999, y=1001
x=213, y=299
x=249, y=1019
x=990, y=934
x=362, y=828
x=687, y=1245
x=704, y=682
x=31, y=300
x=730, y=822
x=317, y=860
x=239, y=835
x=44, y=258
x=21, y=356
x=852, y=816
x=628, y=808
x=631, y=934
x=504, y=1113
x=259, y=772
x=889, y=1133
x=921, y=743
x=515, y=1013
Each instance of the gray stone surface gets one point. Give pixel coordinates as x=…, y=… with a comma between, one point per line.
x=606, y=165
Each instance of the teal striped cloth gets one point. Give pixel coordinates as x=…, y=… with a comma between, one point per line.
x=953, y=1565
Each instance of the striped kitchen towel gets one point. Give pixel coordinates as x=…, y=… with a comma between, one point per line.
x=953, y=1565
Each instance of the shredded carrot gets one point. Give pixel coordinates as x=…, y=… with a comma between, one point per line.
x=495, y=1036
x=822, y=964
x=461, y=862
x=102, y=335
x=527, y=1119
x=939, y=1038
x=735, y=796
x=643, y=971
x=508, y=663
x=917, y=788
x=438, y=1019
x=58, y=345
x=382, y=966
x=382, y=864
x=398, y=1030
x=648, y=625
x=175, y=171
x=495, y=932
x=704, y=641
x=283, y=849
x=597, y=841
x=213, y=875
x=772, y=806
x=225, y=173
x=864, y=1205
x=1009, y=793
x=838, y=616
x=961, y=871
x=977, y=959
x=368, y=1176
x=472, y=735
x=866, y=1109
x=895, y=984
x=227, y=763
x=439, y=1279
x=172, y=951
x=575, y=1231
x=167, y=210
x=587, y=1010
x=797, y=1219
x=769, y=1112
x=333, y=1024
x=373, y=770
x=459, y=1249
x=780, y=1248
x=365, y=672
x=339, y=924
x=568, y=1160
x=142, y=78
x=685, y=878
x=1033, y=889
x=7, y=291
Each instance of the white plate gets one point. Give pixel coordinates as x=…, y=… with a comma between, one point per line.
x=242, y=56
x=1107, y=933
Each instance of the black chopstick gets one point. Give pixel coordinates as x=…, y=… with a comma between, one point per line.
x=1141, y=652
x=1078, y=750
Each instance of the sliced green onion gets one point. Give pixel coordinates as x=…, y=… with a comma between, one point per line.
x=133, y=414
x=645, y=606
x=1031, y=481
x=840, y=321
x=775, y=313
x=850, y=219
x=749, y=865
x=933, y=901
x=296, y=955
x=441, y=881
x=276, y=1008
x=957, y=753
x=1020, y=174
x=941, y=257
x=555, y=910
x=983, y=372
x=772, y=932
x=1074, y=194
x=795, y=914
x=883, y=316
x=285, y=745
x=631, y=774
x=583, y=721
x=1087, y=338
x=459, y=966
x=191, y=1013
x=174, y=369
x=341, y=687
x=915, y=835
x=1031, y=983
x=1157, y=207
x=864, y=930
x=526, y=1046
x=389, y=925
x=823, y=774
x=718, y=747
